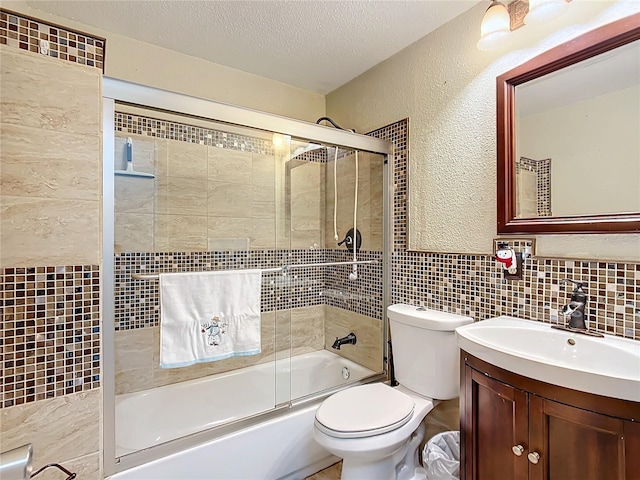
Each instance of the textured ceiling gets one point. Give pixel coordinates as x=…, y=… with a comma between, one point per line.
x=314, y=45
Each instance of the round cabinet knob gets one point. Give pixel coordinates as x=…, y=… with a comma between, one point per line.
x=534, y=457
x=517, y=450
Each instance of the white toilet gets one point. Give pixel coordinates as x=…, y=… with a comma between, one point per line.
x=377, y=429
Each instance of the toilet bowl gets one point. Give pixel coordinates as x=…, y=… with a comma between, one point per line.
x=377, y=429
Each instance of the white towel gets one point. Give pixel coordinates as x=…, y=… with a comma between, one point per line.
x=207, y=316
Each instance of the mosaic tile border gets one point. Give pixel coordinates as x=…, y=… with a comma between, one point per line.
x=137, y=301
x=154, y=127
x=398, y=134
x=49, y=332
x=322, y=155
x=473, y=285
x=68, y=45
x=542, y=169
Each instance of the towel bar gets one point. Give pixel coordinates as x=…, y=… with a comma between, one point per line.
x=284, y=269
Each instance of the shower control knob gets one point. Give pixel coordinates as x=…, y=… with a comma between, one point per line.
x=534, y=457
x=517, y=450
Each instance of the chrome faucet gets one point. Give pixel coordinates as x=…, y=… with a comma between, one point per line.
x=348, y=340
x=575, y=311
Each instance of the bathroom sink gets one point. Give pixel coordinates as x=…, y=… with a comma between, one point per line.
x=608, y=366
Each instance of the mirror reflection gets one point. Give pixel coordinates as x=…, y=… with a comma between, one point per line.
x=578, y=138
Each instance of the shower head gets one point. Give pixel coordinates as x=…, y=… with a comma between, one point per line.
x=327, y=119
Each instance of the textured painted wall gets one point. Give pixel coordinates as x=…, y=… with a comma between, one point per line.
x=447, y=88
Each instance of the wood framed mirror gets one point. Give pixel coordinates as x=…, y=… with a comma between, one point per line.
x=569, y=136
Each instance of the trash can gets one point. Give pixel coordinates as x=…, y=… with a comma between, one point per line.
x=441, y=456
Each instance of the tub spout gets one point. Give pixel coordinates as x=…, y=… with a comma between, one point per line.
x=348, y=340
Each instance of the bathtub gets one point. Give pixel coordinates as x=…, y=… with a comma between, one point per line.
x=278, y=448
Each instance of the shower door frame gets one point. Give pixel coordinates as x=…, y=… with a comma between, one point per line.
x=113, y=91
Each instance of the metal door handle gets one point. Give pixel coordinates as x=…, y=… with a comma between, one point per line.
x=517, y=450
x=534, y=457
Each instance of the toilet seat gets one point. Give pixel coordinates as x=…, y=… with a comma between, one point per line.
x=364, y=411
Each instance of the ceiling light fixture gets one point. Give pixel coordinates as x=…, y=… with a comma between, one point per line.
x=499, y=20
x=495, y=26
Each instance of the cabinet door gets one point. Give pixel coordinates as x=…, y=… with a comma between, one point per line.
x=495, y=421
x=576, y=444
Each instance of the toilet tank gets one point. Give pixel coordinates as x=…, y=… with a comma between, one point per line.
x=425, y=354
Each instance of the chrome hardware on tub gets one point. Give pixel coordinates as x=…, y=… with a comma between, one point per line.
x=16, y=464
x=284, y=269
x=575, y=309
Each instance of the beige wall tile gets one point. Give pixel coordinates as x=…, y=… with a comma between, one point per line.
x=230, y=166
x=180, y=233
x=182, y=196
x=49, y=164
x=87, y=467
x=27, y=82
x=264, y=233
x=133, y=232
x=186, y=160
x=306, y=205
x=134, y=195
x=264, y=169
x=129, y=381
x=368, y=350
x=264, y=201
x=39, y=231
x=60, y=429
x=229, y=227
x=229, y=199
x=162, y=167
x=307, y=327
x=306, y=175
x=133, y=349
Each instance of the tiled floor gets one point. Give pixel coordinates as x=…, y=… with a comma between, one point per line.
x=441, y=419
x=331, y=473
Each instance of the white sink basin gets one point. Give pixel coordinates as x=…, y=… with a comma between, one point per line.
x=608, y=366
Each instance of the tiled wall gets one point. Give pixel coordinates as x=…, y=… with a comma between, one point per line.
x=68, y=45
x=50, y=332
x=284, y=210
x=295, y=331
x=137, y=301
x=127, y=123
x=50, y=153
x=542, y=171
x=473, y=284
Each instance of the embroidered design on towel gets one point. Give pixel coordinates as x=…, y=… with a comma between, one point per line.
x=214, y=329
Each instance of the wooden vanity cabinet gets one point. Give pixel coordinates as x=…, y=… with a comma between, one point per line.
x=517, y=428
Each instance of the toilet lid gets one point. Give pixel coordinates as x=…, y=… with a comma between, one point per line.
x=364, y=411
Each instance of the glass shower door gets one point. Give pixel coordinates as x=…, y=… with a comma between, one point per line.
x=192, y=196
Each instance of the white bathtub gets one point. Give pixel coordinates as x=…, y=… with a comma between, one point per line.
x=277, y=448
